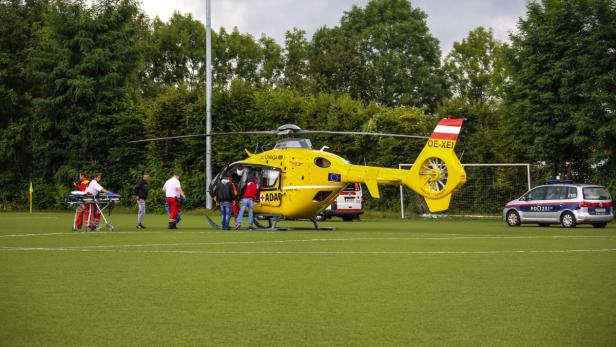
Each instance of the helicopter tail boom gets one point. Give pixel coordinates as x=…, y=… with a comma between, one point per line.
x=435, y=175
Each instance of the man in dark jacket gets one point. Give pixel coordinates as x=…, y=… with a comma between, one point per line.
x=225, y=195
x=141, y=192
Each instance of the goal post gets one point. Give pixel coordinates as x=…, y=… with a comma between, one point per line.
x=487, y=189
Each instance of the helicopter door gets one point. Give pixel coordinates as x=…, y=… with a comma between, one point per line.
x=216, y=179
x=269, y=184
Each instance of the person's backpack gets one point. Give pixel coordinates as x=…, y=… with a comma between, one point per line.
x=224, y=192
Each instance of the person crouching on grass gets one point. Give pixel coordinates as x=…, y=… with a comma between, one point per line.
x=173, y=192
x=141, y=192
x=92, y=213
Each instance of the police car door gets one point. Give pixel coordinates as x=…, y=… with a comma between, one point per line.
x=536, y=201
x=553, y=204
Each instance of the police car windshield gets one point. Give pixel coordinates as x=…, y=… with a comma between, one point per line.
x=596, y=193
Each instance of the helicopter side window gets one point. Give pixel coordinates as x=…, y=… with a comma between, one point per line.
x=270, y=179
x=322, y=162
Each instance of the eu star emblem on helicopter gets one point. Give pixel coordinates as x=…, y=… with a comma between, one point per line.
x=298, y=182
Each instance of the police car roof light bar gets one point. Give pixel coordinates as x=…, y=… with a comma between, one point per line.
x=559, y=182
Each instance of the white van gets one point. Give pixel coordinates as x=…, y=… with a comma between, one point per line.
x=348, y=204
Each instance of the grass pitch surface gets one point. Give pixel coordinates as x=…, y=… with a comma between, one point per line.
x=374, y=282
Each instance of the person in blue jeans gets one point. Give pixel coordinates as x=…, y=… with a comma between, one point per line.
x=248, y=199
x=225, y=194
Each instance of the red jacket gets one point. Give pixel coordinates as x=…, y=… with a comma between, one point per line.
x=251, y=191
x=83, y=184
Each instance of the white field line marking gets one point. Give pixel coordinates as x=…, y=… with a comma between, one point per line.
x=74, y=233
x=601, y=250
x=41, y=234
x=319, y=232
x=120, y=233
x=237, y=242
x=305, y=240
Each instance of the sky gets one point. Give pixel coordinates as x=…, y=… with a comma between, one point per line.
x=448, y=20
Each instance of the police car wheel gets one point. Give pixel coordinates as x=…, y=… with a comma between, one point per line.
x=599, y=225
x=513, y=219
x=568, y=220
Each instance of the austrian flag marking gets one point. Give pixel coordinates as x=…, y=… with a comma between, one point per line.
x=447, y=129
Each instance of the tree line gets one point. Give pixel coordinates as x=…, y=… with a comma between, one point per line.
x=78, y=80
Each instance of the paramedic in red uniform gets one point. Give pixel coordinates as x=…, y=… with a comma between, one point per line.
x=92, y=213
x=173, y=192
x=248, y=200
x=81, y=210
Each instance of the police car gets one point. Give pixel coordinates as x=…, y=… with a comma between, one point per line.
x=348, y=204
x=561, y=202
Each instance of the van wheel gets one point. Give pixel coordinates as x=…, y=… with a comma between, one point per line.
x=599, y=225
x=567, y=219
x=320, y=217
x=513, y=219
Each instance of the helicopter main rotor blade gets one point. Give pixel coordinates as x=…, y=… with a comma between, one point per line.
x=359, y=133
x=266, y=132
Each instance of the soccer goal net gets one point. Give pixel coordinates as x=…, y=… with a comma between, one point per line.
x=488, y=187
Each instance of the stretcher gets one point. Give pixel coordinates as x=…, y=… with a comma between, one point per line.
x=96, y=203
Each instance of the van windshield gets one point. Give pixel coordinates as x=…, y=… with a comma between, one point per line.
x=596, y=193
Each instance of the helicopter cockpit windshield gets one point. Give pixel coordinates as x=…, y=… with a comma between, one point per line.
x=293, y=143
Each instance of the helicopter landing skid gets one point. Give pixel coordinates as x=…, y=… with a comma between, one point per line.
x=212, y=223
x=272, y=224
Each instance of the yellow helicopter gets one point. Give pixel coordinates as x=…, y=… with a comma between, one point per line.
x=298, y=182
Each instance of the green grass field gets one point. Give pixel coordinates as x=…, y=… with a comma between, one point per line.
x=374, y=282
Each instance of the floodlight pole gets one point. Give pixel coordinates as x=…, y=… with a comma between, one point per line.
x=208, y=103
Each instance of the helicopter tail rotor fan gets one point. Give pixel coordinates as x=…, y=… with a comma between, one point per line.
x=437, y=172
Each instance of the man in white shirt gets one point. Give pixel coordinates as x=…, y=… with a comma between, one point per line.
x=173, y=192
x=92, y=213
